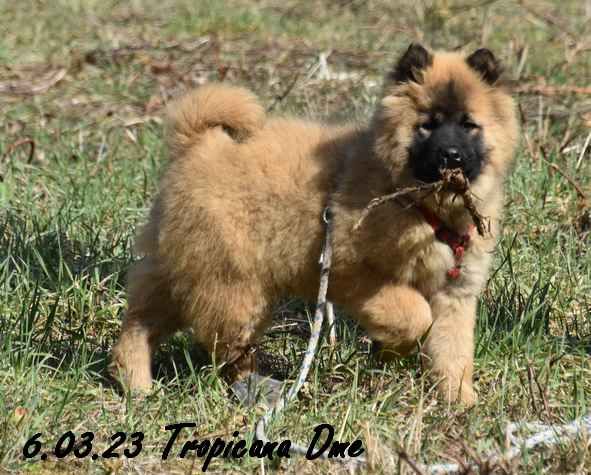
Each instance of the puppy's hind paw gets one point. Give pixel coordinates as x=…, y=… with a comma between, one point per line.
x=463, y=394
x=256, y=388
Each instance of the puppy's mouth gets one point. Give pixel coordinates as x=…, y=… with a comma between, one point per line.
x=451, y=167
x=430, y=171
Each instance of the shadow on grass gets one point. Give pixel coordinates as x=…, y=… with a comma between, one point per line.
x=44, y=253
x=513, y=318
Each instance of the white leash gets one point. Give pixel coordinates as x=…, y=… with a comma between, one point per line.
x=321, y=308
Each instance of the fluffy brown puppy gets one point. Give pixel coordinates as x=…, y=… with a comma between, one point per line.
x=238, y=220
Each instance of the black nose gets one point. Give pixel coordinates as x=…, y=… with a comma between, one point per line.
x=451, y=157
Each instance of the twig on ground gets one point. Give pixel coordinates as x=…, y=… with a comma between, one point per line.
x=484, y=465
x=550, y=20
x=568, y=135
x=583, y=150
x=98, y=55
x=470, y=6
x=530, y=382
x=543, y=392
x=562, y=113
x=571, y=180
x=551, y=90
x=25, y=141
x=285, y=93
x=26, y=88
x=409, y=461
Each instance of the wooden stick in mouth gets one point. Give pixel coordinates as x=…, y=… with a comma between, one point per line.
x=452, y=180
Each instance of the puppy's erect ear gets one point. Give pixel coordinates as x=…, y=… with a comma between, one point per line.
x=484, y=62
x=411, y=63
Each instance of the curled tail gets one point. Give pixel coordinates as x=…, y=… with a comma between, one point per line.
x=235, y=109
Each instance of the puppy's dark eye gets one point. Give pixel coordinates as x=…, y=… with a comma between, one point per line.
x=426, y=128
x=469, y=124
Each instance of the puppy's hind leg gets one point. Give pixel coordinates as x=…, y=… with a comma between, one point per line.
x=229, y=330
x=150, y=318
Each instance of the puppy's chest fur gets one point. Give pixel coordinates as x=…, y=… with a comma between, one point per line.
x=406, y=251
x=426, y=266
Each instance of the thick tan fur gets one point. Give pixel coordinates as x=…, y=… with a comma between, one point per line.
x=237, y=225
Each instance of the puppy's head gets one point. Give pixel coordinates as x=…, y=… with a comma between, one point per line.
x=444, y=110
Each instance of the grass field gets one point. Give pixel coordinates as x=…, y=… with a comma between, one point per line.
x=82, y=86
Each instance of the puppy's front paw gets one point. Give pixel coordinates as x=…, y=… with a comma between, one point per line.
x=467, y=396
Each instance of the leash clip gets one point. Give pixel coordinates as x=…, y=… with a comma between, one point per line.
x=327, y=215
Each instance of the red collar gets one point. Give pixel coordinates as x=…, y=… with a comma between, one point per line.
x=457, y=242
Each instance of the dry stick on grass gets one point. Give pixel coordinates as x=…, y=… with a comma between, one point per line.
x=583, y=151
x=286, y=92
x=543, y=393
x=403, y=455
x=26, y=141
x=571, y=180
x=24, y=88
x=530, y=384
x=98, y=55
x=550, y=20
x=291, y=86
x=484, y=466
x=549, y=90
x=452, y=180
